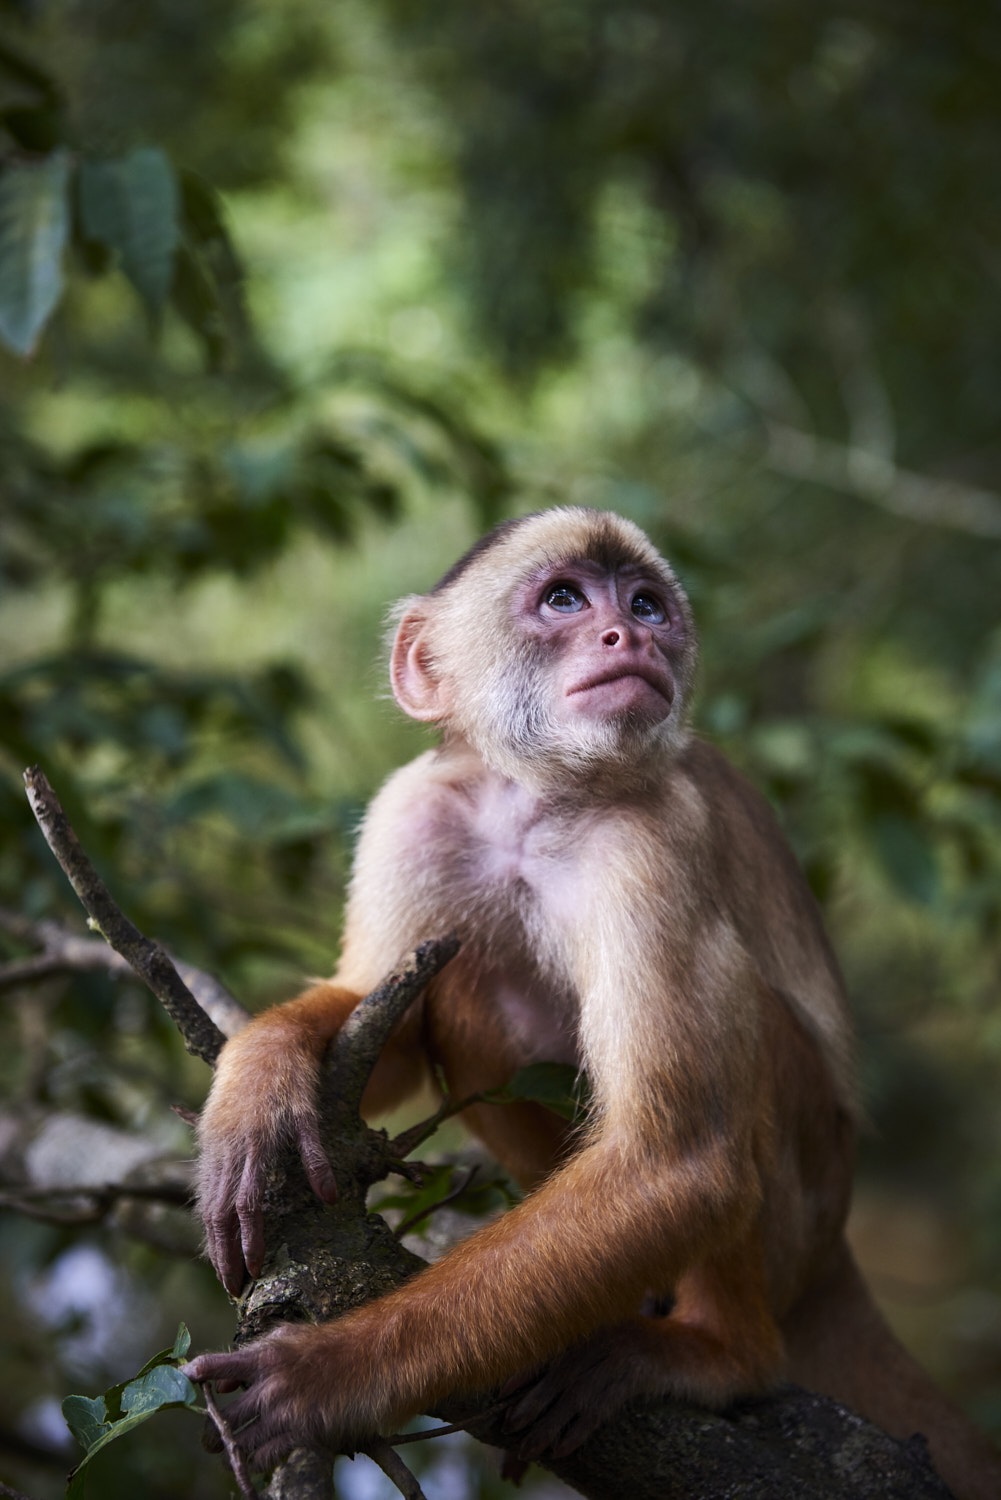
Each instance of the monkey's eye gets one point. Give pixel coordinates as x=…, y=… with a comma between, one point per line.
x=566, y=598
x=648, y=608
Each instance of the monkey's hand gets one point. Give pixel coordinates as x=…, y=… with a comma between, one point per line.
x=555, y=1409
x=305, y=1384
x=263, y=1096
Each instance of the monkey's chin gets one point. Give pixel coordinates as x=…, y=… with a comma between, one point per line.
x=585, y=751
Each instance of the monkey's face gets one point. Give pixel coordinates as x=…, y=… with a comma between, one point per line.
x=561, y=646
x=608, y=640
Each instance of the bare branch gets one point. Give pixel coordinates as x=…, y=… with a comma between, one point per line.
x=9, y=1490
x=213, y=997
x=96, y=1202
x=871, y=476
x=66, y=951
x=465, y=1178
x=394, y=1468
x=408, y=1140
x=367, y=1029
x=236, y=1460
x=425, y=1434
x=202, y=1036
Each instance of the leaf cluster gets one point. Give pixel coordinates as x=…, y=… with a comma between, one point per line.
x=96, y=1421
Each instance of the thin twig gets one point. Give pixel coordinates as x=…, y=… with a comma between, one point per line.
x=202, y=1036
x=393, y=1467
x=30, y=1202
x=482, y=1415
x=408, y=1140
x=871, y=476
x=61, y=950
x=9, y=1490
x=431, y=1208
x=236, y=1459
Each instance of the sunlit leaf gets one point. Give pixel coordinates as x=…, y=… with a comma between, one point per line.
x=34, y=222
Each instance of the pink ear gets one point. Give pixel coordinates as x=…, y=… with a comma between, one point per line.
x=415, y=687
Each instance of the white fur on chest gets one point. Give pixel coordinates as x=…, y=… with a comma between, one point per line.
x=519, y=872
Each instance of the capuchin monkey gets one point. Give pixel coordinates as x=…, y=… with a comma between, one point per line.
x=628, y=905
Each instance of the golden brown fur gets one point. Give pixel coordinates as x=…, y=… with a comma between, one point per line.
x=627, y=904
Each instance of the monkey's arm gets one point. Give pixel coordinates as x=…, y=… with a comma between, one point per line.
x=577, y=1255
x=264, y=1095
x=264, y=1090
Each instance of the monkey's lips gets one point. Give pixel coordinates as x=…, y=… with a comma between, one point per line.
x=626, y=687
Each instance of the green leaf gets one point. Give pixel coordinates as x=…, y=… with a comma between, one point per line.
x=162, y=1386
x=77, y=1481
x=435, y=1186
x=85, y=1418
x=157, y=1385
x=34, y=223
x=131, y=206
x=556, y=1085
x=177, y=1351
x=479, y=1196
x=907, y=854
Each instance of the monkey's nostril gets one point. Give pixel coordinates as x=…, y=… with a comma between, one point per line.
x=610, y=638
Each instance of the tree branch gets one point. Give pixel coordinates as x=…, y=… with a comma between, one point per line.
x=96, y=1202
x=63, y=951
x=871, y=476
x=394, y=1468
x=233, y=1455
x=202, y=1036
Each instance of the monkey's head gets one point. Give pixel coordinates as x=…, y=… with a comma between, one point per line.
x=561, y=644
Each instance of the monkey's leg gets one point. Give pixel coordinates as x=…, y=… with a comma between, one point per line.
x=718, y=1342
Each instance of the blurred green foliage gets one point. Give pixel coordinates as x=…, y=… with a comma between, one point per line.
x=309, y=295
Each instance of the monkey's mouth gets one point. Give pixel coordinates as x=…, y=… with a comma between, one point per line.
x=635, y=673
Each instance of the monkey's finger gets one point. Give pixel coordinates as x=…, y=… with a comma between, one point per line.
x=250, y=1216
x=527, y=1410
x=577, y=1432
x=548, y=1433
x=222, y=1238
x=518, y=1381
x=234, y=1367
x=265, y=1454
x=314, y=1159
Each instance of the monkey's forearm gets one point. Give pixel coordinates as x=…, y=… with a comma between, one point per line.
x=579, y=1254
